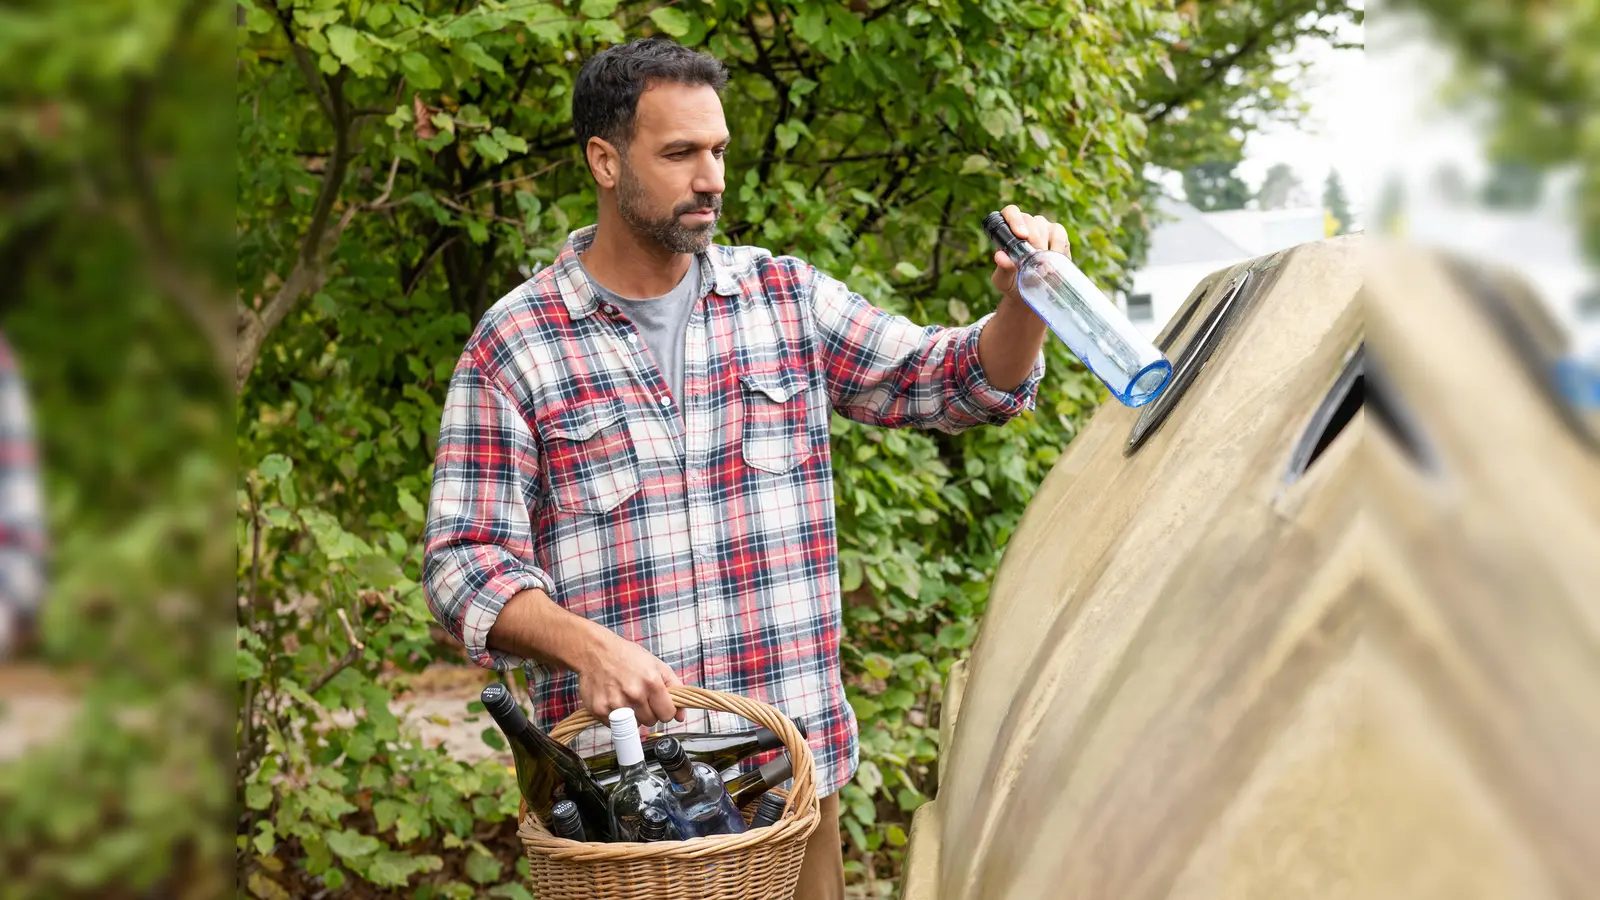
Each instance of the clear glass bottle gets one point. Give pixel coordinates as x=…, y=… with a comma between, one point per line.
x=1132, y=367
x=654, y=826
x=704, y=806
x=639, y=789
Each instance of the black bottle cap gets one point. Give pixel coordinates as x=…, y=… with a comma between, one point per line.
x=1004, y=238
x=497, y=700
x=565, y=811
x=669, y=752
x=768, y=809
x=654, y=825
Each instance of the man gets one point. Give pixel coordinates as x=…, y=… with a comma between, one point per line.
x=636, y=493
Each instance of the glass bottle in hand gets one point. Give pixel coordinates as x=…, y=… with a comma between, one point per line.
x=704, y=806
x=1100, y=335
x=639, y=789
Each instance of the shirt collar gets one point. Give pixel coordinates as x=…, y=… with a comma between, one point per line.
x=580, y=296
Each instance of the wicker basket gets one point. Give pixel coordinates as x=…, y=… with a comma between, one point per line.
x=763, y=864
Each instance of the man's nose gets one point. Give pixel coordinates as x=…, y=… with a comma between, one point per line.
x=708, y=180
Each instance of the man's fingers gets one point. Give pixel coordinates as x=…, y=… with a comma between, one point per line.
x=661, y=706
x=1059, y=241
x=1018, y=221
x=671, y=679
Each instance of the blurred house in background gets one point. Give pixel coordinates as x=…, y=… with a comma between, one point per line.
x=1186, y=245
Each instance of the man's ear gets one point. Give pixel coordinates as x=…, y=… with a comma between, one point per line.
x=605, y=162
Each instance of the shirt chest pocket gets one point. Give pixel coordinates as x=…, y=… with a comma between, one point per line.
x=777, y=436
x=590, y=461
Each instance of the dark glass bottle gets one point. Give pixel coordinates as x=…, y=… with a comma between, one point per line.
x=566, y=822
x=544, y=764
x=703, y=804
x=768, y=811
x=719, y=751
x=747, y=788
x=654, y=826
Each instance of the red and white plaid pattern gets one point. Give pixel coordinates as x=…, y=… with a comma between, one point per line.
x=700, y=528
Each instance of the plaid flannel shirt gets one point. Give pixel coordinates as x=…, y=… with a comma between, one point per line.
x=22, y=544
x=700, y=527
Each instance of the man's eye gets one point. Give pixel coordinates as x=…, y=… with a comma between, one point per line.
x=720, y=152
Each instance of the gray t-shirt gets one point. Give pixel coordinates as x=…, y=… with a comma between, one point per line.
x=662, y=322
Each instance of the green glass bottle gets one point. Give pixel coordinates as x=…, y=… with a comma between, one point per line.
x=544, y=765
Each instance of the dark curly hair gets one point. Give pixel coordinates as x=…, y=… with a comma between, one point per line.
x=606, y=95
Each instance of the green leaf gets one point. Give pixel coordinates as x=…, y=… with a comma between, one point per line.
x=910, y=799
x=494, y=738
x=275, y=465
x=869, y=777
x=799, y=88
x=974, y=163
x=376, y=571
x=265, y=888
x=897, y=836
x=391, y=869
x=849, y=573
x=333, y=879
x=511, y=891
x=668, y=19
x=907, y=270
x=420, y=72
x=410, y=506
x=489, y=148
x=899, y=698
x=475, y=54
x=258, y=20
x=359, y=746
x=266, y=838
x=483, y=868
x=350, y=844
x=246, y=666
x=599, y=9
x=812, y=23
x=344, y=41
x=258, y=796
x=995, y=121
x=379, y=15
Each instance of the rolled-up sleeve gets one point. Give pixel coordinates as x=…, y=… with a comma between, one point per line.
x=883, y=369
x=479, y=546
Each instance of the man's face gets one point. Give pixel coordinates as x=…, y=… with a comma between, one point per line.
x=669, y=187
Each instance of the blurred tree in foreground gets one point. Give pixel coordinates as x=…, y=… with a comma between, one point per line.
x=1531, y=67
x=115, y=243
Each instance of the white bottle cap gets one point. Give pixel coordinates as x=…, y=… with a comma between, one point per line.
x=625, y=737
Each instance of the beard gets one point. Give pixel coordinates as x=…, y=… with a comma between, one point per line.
x=632, y=204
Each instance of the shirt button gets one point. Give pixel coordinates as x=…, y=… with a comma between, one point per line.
x=610, y=310
x=666, y=400
x=633, y=339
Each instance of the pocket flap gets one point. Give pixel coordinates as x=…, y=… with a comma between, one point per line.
x=581, y=421
x=777, y=385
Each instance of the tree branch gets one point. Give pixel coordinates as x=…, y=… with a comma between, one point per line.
x=1220, y=66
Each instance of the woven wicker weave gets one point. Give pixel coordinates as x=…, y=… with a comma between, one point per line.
x=763, y=864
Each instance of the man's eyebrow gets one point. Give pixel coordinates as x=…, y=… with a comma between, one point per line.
x=690, y=145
